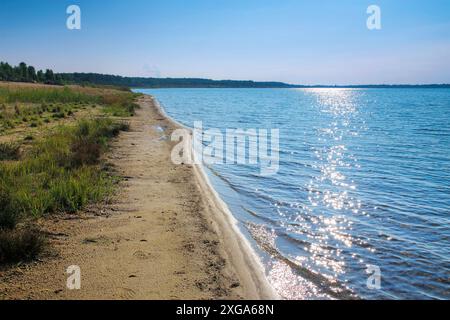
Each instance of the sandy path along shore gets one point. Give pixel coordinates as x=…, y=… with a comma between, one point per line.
x=166, y=236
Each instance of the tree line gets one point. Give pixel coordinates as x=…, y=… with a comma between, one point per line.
x=142, y=82
x=24, y=73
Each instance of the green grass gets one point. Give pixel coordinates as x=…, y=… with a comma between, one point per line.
x=120, y=105
x=35, y=106
x=32, y=115
x=126, y=109
x=60, y=171
x=47, y=95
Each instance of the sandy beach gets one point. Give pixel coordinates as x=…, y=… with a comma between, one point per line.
x=164, y=235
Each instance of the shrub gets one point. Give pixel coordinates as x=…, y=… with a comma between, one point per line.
x=59, y=115
x=90, y=140
x=85, y=152
x=120, y=105
x=9, y=124
x=20, y=245
x=9, y=151
x=8, y=218
x=123, y=126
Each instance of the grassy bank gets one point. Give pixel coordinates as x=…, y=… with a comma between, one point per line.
x=59, y=172
x=33, y=106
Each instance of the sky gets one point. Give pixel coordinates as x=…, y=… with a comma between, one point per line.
x=294, y=41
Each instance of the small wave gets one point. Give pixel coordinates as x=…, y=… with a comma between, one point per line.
x=266, y=242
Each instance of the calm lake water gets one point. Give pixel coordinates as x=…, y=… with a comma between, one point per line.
x=363, y=183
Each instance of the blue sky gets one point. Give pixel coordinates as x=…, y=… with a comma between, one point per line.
x=304, y=42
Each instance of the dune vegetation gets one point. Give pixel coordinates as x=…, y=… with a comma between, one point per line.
x=51, y=144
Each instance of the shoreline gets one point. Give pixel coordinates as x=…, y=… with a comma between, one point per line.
x=165, y=235
x=245, y=260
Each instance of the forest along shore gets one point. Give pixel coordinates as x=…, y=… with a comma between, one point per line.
x=163, y=236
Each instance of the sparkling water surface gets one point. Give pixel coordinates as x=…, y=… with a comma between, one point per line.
x=364, y=180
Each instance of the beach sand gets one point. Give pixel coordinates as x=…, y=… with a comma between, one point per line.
x=165, y=235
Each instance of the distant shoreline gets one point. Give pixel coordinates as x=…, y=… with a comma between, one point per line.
x=159, y=83
x=256, y=85
x=28, y=74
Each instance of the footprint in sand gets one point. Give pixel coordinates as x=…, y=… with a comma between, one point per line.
x=142, y=255
x=126, y=293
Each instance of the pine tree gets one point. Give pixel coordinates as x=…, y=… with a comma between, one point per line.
x=32, y=74
x=2, y=72
x=49, y=77
x=23, y=72
x=8, y=69
x=16, y=74
x=40, y=76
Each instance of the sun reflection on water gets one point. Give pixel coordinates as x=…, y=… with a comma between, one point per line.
x=325, y=221
x=331, y=185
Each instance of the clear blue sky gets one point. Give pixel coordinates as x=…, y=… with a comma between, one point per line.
x=304, y=42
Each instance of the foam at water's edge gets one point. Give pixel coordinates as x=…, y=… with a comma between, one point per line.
x=250, y=257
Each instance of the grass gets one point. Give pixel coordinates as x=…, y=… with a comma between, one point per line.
x=60, y=171
x=47, y=95
x=120, y=105
x=126, y=109
x=35, y=106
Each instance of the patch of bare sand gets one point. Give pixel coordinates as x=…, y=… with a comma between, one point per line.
x=164, y=237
